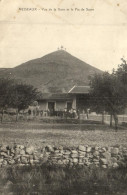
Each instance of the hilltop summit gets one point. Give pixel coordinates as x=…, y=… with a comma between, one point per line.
x=55, y=72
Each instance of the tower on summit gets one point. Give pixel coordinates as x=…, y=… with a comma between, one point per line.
x=61, y=48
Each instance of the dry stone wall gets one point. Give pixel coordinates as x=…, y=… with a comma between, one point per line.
x=82, y=155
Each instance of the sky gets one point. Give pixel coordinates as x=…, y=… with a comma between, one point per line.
x=94, y=31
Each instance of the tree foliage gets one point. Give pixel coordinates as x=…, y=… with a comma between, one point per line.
x=23, y=96
x=16, y=95
x=5, y=91
x=109, y=91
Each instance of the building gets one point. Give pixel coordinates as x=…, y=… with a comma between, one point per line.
x=76, y=98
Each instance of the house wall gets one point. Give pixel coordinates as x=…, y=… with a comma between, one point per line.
x=60, y=105
x=74, y=102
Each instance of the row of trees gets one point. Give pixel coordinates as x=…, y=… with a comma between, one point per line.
x=109, y=92
x=16, y=95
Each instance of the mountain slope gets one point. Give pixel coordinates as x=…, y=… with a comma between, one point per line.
x=55, y=72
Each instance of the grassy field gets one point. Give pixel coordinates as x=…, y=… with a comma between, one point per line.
x=63, y=181
x=40, y=134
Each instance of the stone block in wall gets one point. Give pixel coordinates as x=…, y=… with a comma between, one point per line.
x=53, y=161
x=59, y=162
x=17, y=151
x=74, y=155
x=75, y=160
x=87, y=163
x=31, y=161
x=115, y=165
x=74, y=151
x=24, y=160
x=96, y=157
x=37, y=156
x=96, y=160
x=96, y=148
x=113, y=160
x=31, y=157
x=65, y=161
x=54, y=157
x=11, y=162
x=22, y=152
x=80, y=163
x=82, y=148
x=4, y=163
x=89, y=149
x=56, y=154
x=36, y=161
x=104, y=149
x=30, y=150
x=80, y=160
x=89, y=155
x=60, y=147
x=104, y=166
x=4, y=154
x=3, y=148
x=41, y=156
x=71, y=164
x=67, y=152
x=96, y=153
x=49, y=148
x=47, y=154
x=114, y=151
x=22, y=147
x=17, y=161
x=66, y=156
x=16, y=156
x=43, y=160
x=86, y=159
x=1, y=160
x=82, y=153
x=81, y=157
x=57, y=151
x=125, y=153
x=12, y=151
x=103, y=161
x=106, y=155
x=8, y=152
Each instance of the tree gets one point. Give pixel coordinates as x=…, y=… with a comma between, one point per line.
x=5, y=91
x=22, y=96
x=109, y=91
x=15, y=95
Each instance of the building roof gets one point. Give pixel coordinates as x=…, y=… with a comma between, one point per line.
x=66, y=96
x=79, y=90
x=56, y=96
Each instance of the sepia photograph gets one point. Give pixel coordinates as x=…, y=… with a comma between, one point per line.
x=63, y=97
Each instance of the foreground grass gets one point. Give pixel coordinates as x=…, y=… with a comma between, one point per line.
x=63, y=181
x=40, y=134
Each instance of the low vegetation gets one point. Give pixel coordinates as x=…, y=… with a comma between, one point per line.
x=40, y=134
x=63, y=181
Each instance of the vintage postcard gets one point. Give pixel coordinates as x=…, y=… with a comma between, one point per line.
x=63, y=97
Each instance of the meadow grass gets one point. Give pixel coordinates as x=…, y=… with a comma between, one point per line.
x=41, y=134
x=63, y=181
